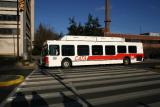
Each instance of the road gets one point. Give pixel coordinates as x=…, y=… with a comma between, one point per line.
x=89, y=86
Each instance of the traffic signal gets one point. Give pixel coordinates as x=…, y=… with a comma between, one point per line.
x=21, y=5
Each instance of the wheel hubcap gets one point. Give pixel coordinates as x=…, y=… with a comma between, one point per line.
x=126, y=61
x=66, y=64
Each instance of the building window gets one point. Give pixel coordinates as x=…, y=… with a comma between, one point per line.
x=8, y=4
x=8, y=31
x=132, y=49
x=110, y=50
x=68, y=50
x=8, y=17
x=83, y=50
x=121, y=49
x=97, y=50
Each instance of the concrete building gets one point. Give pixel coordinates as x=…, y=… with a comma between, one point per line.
x=148, y=41
x=8, y=27
x=151, y=44
x=151, y=34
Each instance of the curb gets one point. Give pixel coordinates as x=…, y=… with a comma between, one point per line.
x=12, y=82
x=26, y=66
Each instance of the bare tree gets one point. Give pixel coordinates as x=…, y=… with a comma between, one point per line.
x=42, y=34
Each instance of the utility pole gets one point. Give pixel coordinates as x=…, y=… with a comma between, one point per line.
x=107, y=17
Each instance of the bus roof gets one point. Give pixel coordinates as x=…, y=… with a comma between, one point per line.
x=91, y=38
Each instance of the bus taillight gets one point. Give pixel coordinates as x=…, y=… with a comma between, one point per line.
x=46, y=60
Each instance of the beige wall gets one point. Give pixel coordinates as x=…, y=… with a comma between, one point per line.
x=8, y=46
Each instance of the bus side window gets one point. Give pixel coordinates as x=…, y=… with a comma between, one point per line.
x=68, y=50
x=83, y=50
x=57, y=51
x=121, y=49
x=97, y=50
x=132, y=49
x=110, y=50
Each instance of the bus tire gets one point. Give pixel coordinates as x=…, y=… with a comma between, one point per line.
x=126, y=61
x=66, y=63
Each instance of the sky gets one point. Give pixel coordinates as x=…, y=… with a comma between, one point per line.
x=127, y=16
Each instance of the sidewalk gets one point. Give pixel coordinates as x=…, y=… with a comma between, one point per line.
x=11, y=74
x=155, y=61
x=152, y=60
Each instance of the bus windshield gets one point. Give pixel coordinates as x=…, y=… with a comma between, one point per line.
x=44, y=51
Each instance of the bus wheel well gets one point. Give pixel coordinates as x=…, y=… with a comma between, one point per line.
x=126, y=60
x=66, y=63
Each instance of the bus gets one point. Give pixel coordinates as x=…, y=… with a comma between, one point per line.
x=87, y=50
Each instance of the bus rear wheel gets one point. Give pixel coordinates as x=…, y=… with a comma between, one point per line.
x=126, y=61
x=66, y=63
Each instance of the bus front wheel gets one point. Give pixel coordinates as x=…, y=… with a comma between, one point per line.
x=66, y=63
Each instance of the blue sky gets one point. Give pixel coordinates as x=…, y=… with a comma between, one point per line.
x=128, y=16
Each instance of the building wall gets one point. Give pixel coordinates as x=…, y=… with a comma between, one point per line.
x=10, y=44
x=151, y=44
x=148, y=41
x=32, y=22
x=151, y=34
x=8, y=27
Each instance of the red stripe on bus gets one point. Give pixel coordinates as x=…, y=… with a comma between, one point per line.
x=115, y=57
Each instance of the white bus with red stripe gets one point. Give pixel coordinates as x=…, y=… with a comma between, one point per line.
x=85, y=50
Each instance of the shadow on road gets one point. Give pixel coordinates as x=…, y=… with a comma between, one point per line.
x=21, y=101
x=143, y=104
x=69, y=102
x=38, y=101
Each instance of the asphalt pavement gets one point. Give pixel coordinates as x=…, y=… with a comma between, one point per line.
x=136, y=85
x=13, y=73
